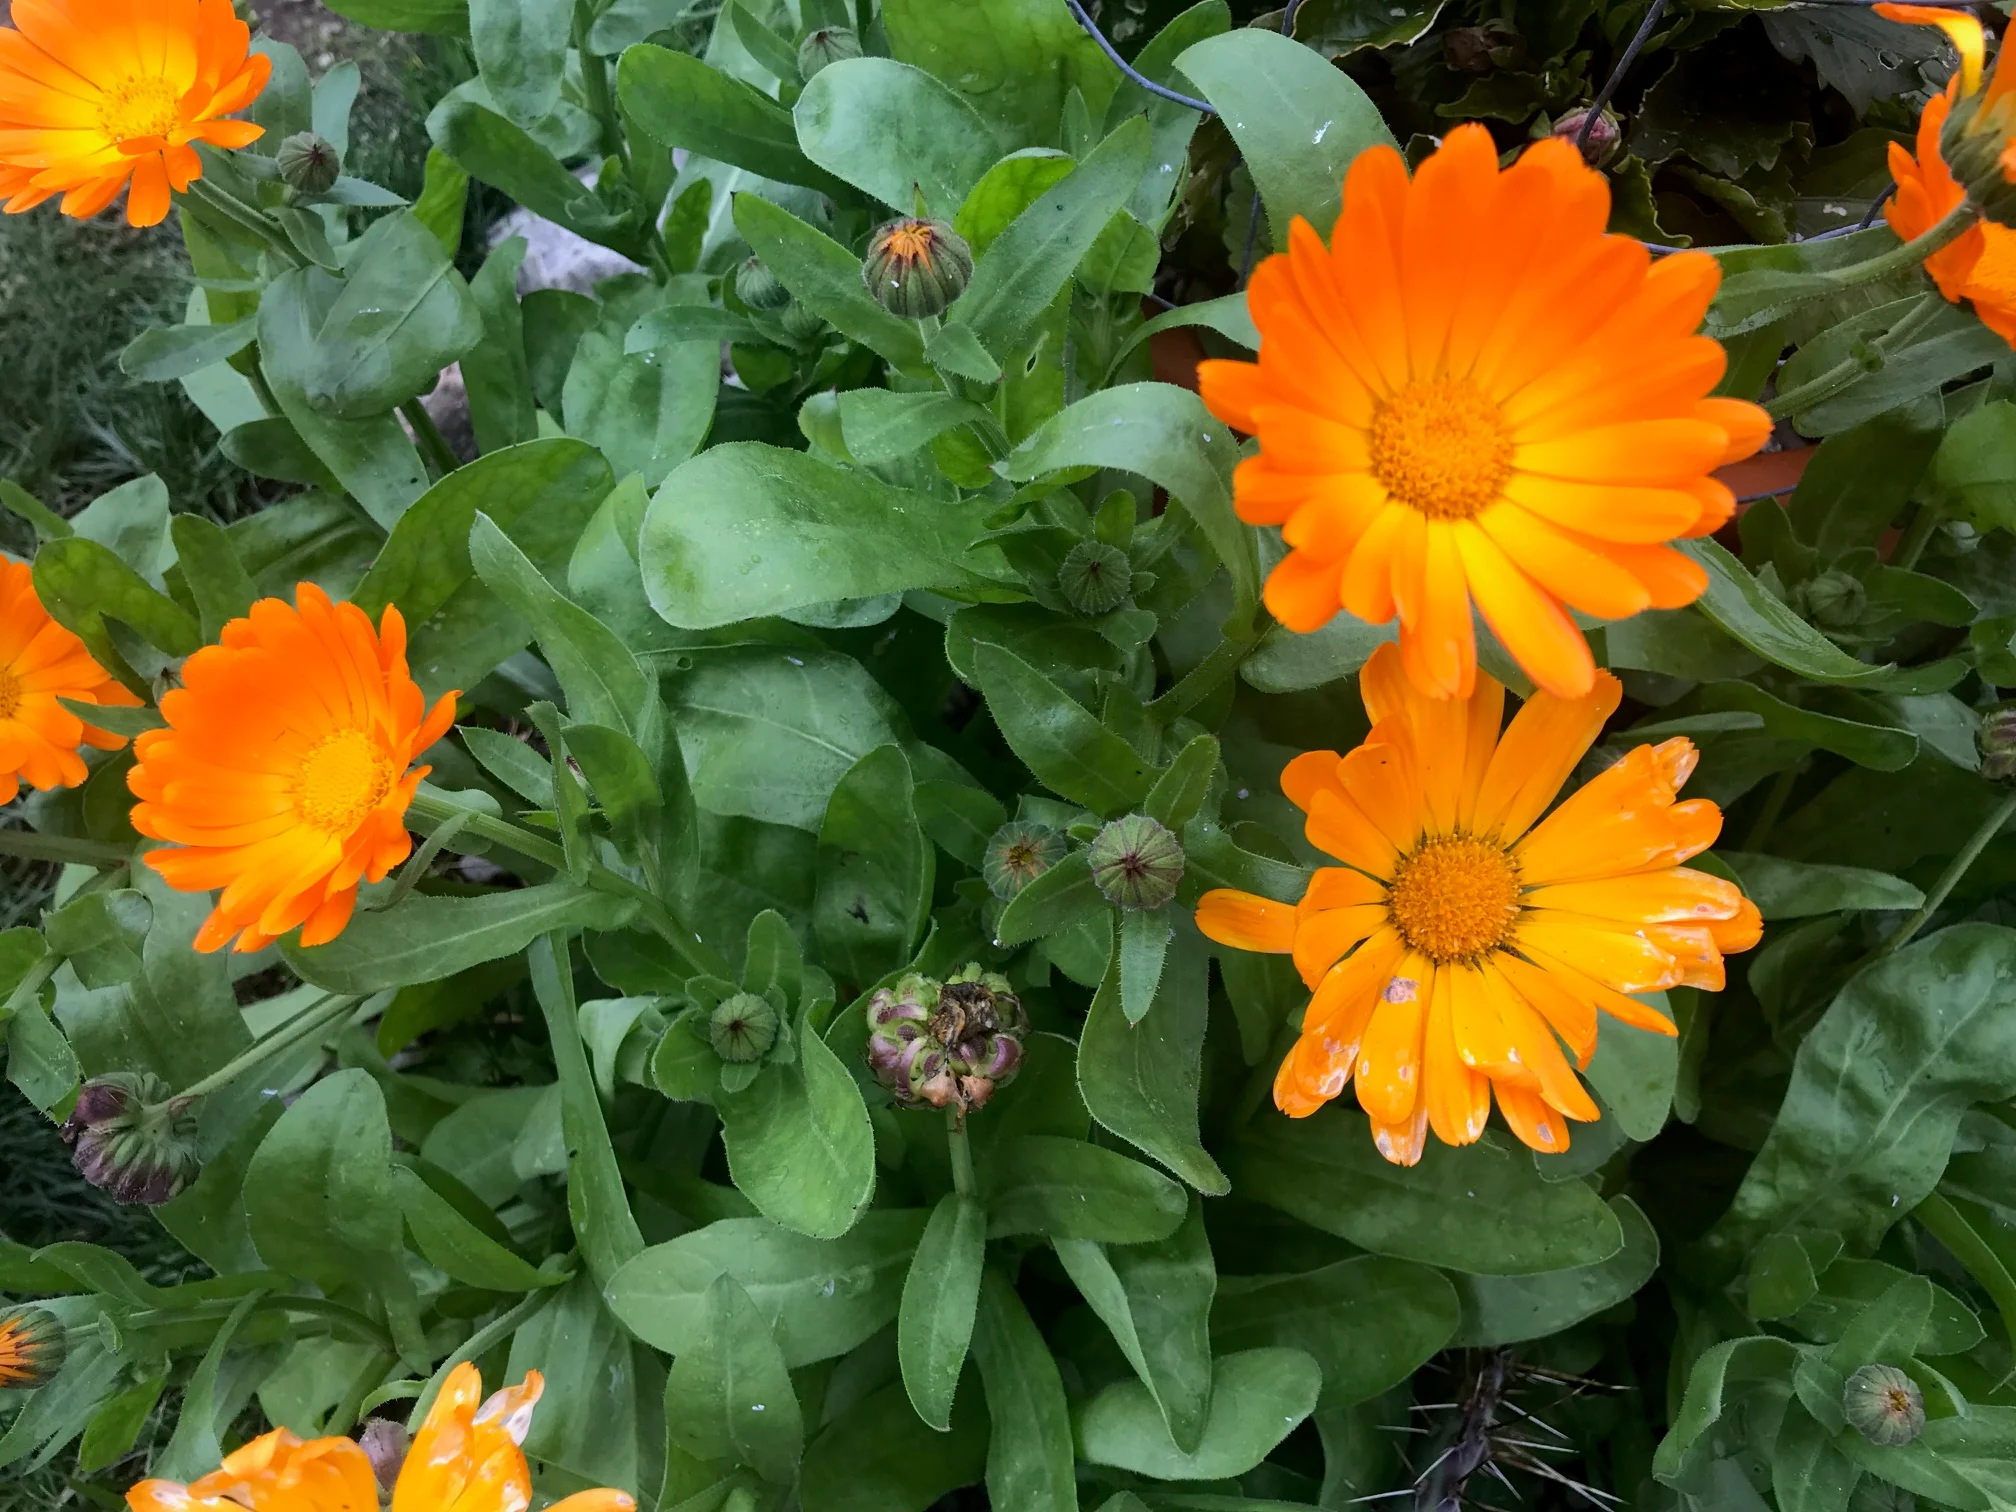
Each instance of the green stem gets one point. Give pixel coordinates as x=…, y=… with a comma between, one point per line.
x=1917, y=536
x=1202, y=680
x=1969, y=854
x=1950, y=1227
x=441, y=458
x=315, y=1019
x=963, y=1181
x=63, y=848
x=1826, y=385
x=1941, y=233
x=29, y=987
x=478, y=1344
x=698, y=954
x=257, y=378
x=247, y=218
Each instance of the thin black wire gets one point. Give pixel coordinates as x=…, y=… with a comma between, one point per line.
x=1092, y=30
x=1652, y=15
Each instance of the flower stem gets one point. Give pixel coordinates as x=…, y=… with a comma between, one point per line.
x=433, y=445
x=247, y=218
x=1942, y=233
x=1917, y=536
x=315, y=1019
x=698, y=954
x=1969, y=854
x=963, y=1181
x=1826, y=385
x=63, y=848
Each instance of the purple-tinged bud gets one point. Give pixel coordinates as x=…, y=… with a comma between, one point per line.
x=1605, y=138
x=132, y=1137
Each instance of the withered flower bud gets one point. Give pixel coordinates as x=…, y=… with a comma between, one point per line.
x=131, y=1137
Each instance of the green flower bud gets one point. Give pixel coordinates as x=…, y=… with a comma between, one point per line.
x=1833, y=600
x=132, y=1137
x=801, y=326
x=916, y=268
x=743, y=1028
x=1136, y=862
x=1019, y=852
x=826, y=44
x=32, y=1348
x=1997, y=740
x=759, y=288
x=1884, y=1405
x=308, y=164
x=1095, y=577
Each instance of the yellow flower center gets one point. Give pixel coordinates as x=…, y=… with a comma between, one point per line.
x=140, y=107
x=341, y=780
x=10, y=692
x=1454, y=898
x=1441, y=447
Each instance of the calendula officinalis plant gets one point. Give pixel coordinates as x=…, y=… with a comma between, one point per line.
x=1129, y=787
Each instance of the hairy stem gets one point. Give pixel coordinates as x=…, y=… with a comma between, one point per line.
x=1969, y=853
x=963, y=1181
x=317, y=1018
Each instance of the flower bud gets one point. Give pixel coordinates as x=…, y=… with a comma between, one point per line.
x=949, y=1045
x=1136, y=862
x=384, y=1442
x=1019, y=852
x=743, y=1028
x=1977, y=134
x=32, y=1348
x=308, y=164
x=1605, y=138
x=1997, y=740
x=1833, y=600
x=916, y=268
x=824, y=45
x=1095, y=577
x=801, y=326
x=133, y=1138
x=1884, y=1405
x=757, y=287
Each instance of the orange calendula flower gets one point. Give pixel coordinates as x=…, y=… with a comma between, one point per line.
x=41, y=662
x=1473, y=395
x=1979, y=265
x=283, y=772
x=1464, y=932
x=97, y=93
x=465, y=1458
x=32, y=1348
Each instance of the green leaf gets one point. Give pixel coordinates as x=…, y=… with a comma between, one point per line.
x=217, y=579
x=40, y=1062
x=1257, y=1399
x=441, y=18
x=1369, y=1321
x=1808, y=1474
x=1888, y=1330
x=894, y=132
x=1633, y=1071
x=1878, y=1090
x=193, y=1448
x=1032, y=260
x=1005, y=190
x=1872, y=745
x=372, y=458
x=1057, y=900
x=1950, y=345
x=1069, y=1189
x=876, y=870
x=426, y=937
x=941, y=1296
x=1501, y=1310
x=1973, y=474
x=594, y=1422
x=1740, y=605
x=521, y=48
x=454, y=1244
x=1070, y=752
x=602, y=681
x=596, y=1201
x=1784, y=889
x=747, y=530
x=495, y=371
x=403, y=314
x=769, y=733
x=1141, y=1080
x=167, y=353
x=1156, y=1301
x=881, y=426
x=82, y=584
x=682, y=102
x=1029, y=1450
x=1298, y=119
x=670, y=324
x=729, y=1394
x=1144, y=943
x=877, y=1455
x=648, y=410
x=1166, y=435
x=822, y=1297
x=1016, y=60
x=1481, y=1208
x=443, y=205
x=539, y=494
x=799, y=1142
x=825, y=277
x=117, y=1424
x=274, y=449
x=1179, y=792
x=506, y=157
x=1719, y=1381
